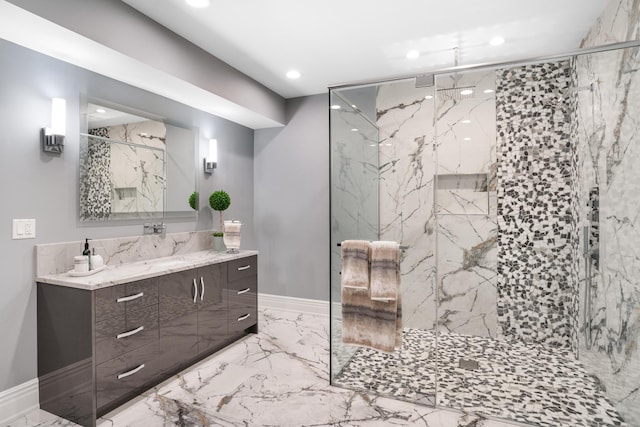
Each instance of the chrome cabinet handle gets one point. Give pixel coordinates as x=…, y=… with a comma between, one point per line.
x=246, y=267
x=244, y=291
x=246, y=316
x=132, y=332
x=195, y=291
x=130, y=297
x=131, y=372
x=201, y=287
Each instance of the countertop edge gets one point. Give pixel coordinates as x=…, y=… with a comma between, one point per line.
x=140, y=270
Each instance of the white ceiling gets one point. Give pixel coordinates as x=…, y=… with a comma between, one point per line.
x=332, y=42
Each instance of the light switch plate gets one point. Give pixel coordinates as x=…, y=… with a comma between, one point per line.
x=24, y=229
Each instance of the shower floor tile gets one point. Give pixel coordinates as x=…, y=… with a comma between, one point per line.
x=525, y=383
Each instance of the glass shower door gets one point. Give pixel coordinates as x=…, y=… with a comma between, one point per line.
x=354, y=201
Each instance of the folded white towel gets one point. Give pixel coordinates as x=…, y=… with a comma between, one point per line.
x=355, y=264
x=385, y=268
x=232, y=233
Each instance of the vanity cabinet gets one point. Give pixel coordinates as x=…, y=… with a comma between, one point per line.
x=98, y=348
x=192, y=314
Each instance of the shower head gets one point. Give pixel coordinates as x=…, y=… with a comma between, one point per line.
x=456, y=93
x=425, y=80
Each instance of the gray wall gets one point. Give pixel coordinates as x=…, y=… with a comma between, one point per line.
x=291, y=185
x=37, y=185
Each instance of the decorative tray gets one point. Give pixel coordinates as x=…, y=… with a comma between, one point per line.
x=86, y=273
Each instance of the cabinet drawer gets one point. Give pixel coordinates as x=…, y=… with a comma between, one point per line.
x=125, y=374
x=243, y=304
x=115, y=300
x=241, y=318
x=243, y=293
x=241, y=268
x=119, y=335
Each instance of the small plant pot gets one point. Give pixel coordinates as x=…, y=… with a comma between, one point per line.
x=218, y=244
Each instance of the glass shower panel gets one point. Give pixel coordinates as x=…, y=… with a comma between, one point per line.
x=466, y=215
x=607, y=127
x=354, y=198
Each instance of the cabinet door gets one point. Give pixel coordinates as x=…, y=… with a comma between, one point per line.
x=212, y=306
x=177, y=319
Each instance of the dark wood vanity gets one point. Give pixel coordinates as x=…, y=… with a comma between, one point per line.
x=99, y=348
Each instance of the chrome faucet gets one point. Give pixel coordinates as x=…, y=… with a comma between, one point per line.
x=154, y=228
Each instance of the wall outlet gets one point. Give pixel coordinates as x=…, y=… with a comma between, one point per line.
x=24, y=229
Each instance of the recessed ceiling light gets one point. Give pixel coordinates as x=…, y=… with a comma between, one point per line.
x=200, y=4
x=388, y=145
x=335, y=107
x=353, y=106
x=496, y=41
x=293, y=74
x=466, y=92
x=488, y=91
x=101, y=110
x=354, y=130
x=413, y=54
x=467, y=139
x=428, y=97
x=466, y=121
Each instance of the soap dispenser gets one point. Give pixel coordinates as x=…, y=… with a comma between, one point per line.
x=87, y=251
x=96, y=260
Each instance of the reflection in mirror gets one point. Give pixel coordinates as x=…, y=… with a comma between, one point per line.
x=133, y=167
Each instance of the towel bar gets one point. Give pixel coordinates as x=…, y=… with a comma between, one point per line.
x=402, y=247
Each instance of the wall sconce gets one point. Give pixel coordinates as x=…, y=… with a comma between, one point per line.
x=211, y=161
x=53, y=137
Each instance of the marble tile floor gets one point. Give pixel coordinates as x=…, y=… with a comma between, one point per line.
x=278, y=377
x=531, y=384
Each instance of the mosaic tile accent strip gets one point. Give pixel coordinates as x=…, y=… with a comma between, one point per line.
x=530, y=384
x=95, y=172
x=536, y=289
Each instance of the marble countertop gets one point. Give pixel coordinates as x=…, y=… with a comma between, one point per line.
x=129, y=272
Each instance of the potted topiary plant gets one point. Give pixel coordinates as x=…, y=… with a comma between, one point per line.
x=219, y=201
x=193, y=200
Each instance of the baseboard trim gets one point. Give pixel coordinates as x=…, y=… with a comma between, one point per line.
x=18, y=401
x=293, y=304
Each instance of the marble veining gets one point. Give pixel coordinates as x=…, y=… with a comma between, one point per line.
x=608, y=133
x=57, y=258
x=124, y=273
x=278, y=377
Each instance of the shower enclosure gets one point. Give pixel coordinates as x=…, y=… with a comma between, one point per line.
x=514, y=189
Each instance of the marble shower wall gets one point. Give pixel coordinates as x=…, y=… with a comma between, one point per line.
x=407, y=167
x=608, y=127
x=465, y=229
x=536, y=228
x=466, y=204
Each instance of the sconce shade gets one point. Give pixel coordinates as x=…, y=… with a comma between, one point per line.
x=211, y=161
x=53, y=137
x=58, y=116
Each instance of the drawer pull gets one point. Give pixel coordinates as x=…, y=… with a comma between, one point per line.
x=132, y=332
x=246, y=316
x=195, y=291
x=202, y=288
x=245, y=267
x=244, y=291
x=131, y=372
x=130, y=297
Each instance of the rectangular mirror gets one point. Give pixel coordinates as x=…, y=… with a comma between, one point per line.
x=134, y=165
